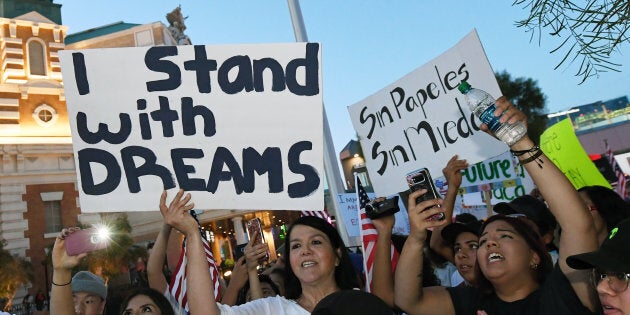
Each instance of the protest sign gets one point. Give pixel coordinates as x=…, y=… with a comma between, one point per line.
x=502, y=176
x=422, y=120
x=237, y=126
x=564, y=149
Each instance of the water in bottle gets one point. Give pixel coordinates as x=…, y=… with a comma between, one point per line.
x=482, y=105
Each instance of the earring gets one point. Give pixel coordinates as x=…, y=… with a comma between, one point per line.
x=534, y=266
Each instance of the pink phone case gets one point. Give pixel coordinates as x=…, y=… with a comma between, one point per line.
x=84, y=241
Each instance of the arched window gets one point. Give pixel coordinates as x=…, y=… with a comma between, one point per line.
x=36, y=57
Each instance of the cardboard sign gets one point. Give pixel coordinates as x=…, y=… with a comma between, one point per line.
x=237, y=126
x=422, y=120
x=564, y=149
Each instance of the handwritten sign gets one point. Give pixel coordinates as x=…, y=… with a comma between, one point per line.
x=238, y=126
x=501, y=175
x=422, y=119
x=564, y=149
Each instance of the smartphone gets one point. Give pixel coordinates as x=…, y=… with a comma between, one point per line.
x=254, y=229
x=421, y=179
x=84, y=241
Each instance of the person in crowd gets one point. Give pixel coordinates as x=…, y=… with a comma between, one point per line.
x=537, y=211
x=40, y=300
x=517, y=276
x=278, y=276
x=155, y=273
x=382, y=274
x=267, y=286
x=26, y=302
x=352, y=302
x=84, y=293
x=318, y=265
x=606, y=207
x=611, y=262
x=462, y=252
x=245, y=283
x=144, y=301
x=463, y=239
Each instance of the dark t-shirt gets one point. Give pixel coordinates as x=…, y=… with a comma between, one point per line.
x=554, y=297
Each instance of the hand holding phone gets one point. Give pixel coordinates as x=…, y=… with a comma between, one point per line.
x=254, y=229
x=421, y=179
x=84, y=241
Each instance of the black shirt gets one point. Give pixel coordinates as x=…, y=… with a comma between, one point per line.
x=554, y=297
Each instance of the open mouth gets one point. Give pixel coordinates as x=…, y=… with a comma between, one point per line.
x=495, y=257
x=465, y=267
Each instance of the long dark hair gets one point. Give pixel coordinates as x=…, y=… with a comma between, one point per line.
x=524, y=229
x=611, y=207
x=157, y=297
x=345, y=274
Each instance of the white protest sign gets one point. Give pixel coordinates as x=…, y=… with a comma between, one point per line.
x=501, y=175
x=422, y=119
x=348, y=206
x=237, y=126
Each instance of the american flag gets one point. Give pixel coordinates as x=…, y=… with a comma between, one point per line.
x=178, y=280
x=621, y=177
x=316, y=213
x=369, y=236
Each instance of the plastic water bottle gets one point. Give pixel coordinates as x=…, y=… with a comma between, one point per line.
x=482, y=105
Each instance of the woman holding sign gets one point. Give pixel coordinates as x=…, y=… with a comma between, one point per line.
x=318, y=266
x=517, y=276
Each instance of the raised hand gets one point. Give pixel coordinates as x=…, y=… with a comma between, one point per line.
x=452, y=171
x=60, y=258
x=420, y=213
x=177, y=215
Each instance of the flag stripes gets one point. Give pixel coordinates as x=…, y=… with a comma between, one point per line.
x=177, y=287
x=369, y=236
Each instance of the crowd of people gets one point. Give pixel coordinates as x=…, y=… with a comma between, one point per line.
x=547, y=253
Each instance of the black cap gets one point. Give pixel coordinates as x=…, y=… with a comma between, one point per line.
x=612, y=255
x=451, y=231
x=533, y=208
x=351, y=302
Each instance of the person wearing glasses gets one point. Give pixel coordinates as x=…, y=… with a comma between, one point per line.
x=612, y=263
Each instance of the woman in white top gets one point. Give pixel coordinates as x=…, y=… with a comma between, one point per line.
x=318, y=266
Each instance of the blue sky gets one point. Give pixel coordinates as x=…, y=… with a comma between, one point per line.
x=367, y=45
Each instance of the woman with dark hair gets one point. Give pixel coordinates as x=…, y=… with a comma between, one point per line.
x=146, y=301
x=514, y=264
x=318, y=265
x=606, y=207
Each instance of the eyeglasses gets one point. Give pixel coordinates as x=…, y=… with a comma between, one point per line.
x=617, y=281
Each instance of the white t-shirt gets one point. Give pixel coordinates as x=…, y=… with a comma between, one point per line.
x=273, y=305
x=176, y=307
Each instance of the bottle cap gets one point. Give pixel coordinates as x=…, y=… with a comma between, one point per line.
x=463, y=87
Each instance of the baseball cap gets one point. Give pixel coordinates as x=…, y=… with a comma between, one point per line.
x=532, y=208
x=450, y=232
x=351, y=302
x=85, y=281
x=612, y=255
